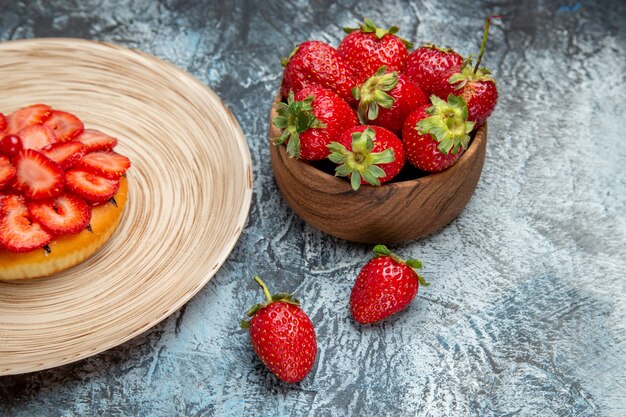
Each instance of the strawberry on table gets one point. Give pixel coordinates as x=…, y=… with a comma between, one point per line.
x=368, y=155
x=386, y=285
x=65, y=125
x=27, y=116
x=36, y=137
x=435, y=137
x=312, y=119
x=107, y=164
x=91, y=187
x=37, y=176
x=430, y=67
x=7, y=171
x=66, y=214
x=66, y=154
x=282, y=335
x=19, y=232
x=94, y=140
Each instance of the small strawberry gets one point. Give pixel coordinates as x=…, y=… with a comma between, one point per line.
x=94, y=140
x=7, y=171
x=430, y=67
x=3, y=122
x=311, y=120
x=317, y=63
x=282, y=335
x=37, y=176
x=36, y=137
x=107, y=164
x=66, y=154
x=386, y=99
x=435, y=137
x=91, y=187
x=386, y=285
x=10, y=145
x=27, y=116
x=65, y=125
x=19, y=232
x=66, y=214
x=368, y=47
x=368, y=155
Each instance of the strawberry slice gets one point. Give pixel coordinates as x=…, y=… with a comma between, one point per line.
x=66, y=214
x=18, y=231
x=66, y=154
x=7, y=171
x=3, y=122
x=37, y=176
x=36, y=137
x=94, y=140
x=65, y=125
x=27, y=116
x=91, y=187
x=108, y=164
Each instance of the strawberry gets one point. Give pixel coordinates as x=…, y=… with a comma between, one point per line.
x=386, y=98
x=27, y=116
x=91, y=187
x=386, y=285
x=3, y=122
x=282, y=335
x=66, y=154
x=107, y=164
x=94, y=140
x=368, y=155
x=7, y=171
x=65, y=125
x=311, y=120
x=317, y=63
x=66, y=214
x=18, y=230
x=368, y=47
x=435, y=137
x=36, y=137
x=430, y=67
x=37, y=176
x=10, y=145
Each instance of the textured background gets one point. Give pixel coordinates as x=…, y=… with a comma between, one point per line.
x=526, y=314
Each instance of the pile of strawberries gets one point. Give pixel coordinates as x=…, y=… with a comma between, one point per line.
x=52, y=171
x=370, y=105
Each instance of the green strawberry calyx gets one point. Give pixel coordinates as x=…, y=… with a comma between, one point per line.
x=285, y=61
x=447, y=124
x=368, y=26
x=295, y=117
x=360, y=162
x=437, y=47
x=269, y=299
x=372, y=94
x=382, y=250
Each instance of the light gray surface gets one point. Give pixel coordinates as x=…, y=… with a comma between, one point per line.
x=526, y=312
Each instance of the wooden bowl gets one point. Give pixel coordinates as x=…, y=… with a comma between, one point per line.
x=391, y=213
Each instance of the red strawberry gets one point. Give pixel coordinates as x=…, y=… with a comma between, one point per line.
x=7, y=171
x=66, y=154
x=94, y=140
x=317, y=63
x=10, y=145
x=65, y=125
x=91, y=187
x=435, y=137
x=386, y=285
x=311, y=120
x=107, y=164
x=368, y=155
x=37, y=176
x=18, y=230
x=3, y=122
x=368, y=47
x=282, y=335
x=27, y=116
x=36, y=137
x=66, y=214
x=430, y=67
x=386, y=99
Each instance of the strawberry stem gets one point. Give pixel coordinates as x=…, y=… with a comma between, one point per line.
x=484, y=42
x=268, y=296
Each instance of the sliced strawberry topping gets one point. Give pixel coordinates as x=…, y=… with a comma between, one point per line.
x=91, y=187
x=18, y=231
x=65, y=125
x=108, y=164
x=3, y=122
x=66, y=214
x=94, y=140
x=38, y=177
x=27, y=116
x=66, y=154
x=7, y=171
x=36, y=137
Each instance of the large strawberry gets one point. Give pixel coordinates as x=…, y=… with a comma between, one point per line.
x=386, y=285
x=368, y=155
x=282, y=335
x=435, y=137
x=317, y=63
x=368, y=47
x=430, y=67
x=312, y=119
x=386, y=98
